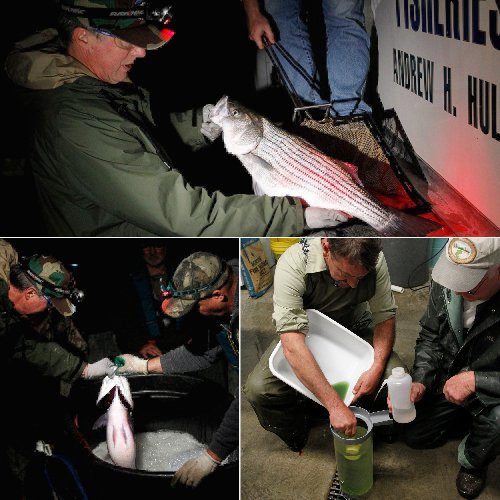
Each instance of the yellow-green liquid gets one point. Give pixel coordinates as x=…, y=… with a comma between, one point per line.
x=341, y=388
x=355, y=464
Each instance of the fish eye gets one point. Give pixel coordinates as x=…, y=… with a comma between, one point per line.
x=235, y=112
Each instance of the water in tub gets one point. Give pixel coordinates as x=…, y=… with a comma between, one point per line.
x=163, y=450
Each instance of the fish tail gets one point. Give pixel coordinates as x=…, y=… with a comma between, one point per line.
x=402, y=224
x=102, y=421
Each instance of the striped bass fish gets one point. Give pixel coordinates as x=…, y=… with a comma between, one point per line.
x=115, y=399
x=283, y=164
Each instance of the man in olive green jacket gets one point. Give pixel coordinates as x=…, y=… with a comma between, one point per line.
x=98, y=169
x=42, y=354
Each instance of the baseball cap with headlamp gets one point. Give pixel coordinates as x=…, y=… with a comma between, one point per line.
x=53, y=281
x=134, y=21
x=195, y=278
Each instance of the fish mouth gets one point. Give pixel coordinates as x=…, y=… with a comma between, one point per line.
x=218, y=113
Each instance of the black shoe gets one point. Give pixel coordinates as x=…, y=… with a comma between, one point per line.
x=298, y=442
x=470, y=482
x=385, y=433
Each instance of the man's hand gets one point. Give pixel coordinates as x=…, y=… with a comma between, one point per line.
x=150, y=350
x=195, y=469
x=98, y=369
x=367, y=383
x=459, y=387
x=343, y=420
x=416, y=394
x=133, y=364
x=209, y=129
x=258, y=28
x=317, y=218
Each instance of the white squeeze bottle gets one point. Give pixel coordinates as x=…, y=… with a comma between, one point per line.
x=399, y=385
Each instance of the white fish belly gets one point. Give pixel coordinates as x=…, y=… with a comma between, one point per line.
x=119, y=435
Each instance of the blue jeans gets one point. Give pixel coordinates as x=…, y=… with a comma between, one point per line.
x=348, y=51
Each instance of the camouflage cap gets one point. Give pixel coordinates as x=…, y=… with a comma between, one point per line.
x=53, y=280
x=134, y=30
x=465, y=261
x=195, y=278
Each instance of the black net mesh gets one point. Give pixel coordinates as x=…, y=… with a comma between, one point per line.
x=377, y=153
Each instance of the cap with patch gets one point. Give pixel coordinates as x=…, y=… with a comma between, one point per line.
x=125, y=19
x=464, y=262
x=53, y=280
x=196, y=277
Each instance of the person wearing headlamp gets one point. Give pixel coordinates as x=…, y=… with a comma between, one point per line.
x=43, y=356
x=205, y=281
x=98, y=166
x=456, y=375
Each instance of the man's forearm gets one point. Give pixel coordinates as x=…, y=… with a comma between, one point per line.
x=307, y=369
x=154, y=365
x=384, y=334
x=251, y=7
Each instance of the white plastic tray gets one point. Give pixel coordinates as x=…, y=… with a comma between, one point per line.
x=341, y=355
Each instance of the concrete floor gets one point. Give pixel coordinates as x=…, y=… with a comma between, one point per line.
x=269, y=470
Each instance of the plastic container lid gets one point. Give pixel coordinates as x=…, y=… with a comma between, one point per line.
x=398, y=372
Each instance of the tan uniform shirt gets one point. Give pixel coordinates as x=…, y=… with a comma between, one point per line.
x=302, y=281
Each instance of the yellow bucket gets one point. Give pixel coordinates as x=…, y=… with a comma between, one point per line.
x=279, y=245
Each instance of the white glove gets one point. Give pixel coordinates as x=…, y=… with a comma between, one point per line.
x=99, y=369
x=208, y=128
x=133, y=364
x=323, y=217
x=195, y=469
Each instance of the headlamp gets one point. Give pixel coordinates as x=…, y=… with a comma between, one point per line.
x=158, y=15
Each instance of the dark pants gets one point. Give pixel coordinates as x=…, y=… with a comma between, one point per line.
x=280, y=408
x=439, y=420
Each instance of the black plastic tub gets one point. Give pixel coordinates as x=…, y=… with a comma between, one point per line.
x=175, y=402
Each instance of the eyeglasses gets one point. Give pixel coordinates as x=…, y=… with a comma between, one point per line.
x=47, y=298
x=477, y=287
x=121, y=44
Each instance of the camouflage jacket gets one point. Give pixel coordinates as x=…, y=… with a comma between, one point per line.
x=8, y=257
x=53, y=347
x=99, y=171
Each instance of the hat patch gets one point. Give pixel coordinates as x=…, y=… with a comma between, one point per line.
x=462, y=251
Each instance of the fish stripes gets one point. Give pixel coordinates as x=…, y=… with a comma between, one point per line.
x=315, y=177
x=283, y=164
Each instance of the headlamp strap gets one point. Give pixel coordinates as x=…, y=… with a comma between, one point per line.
x=161, y=15
x=47, y=284
x=170, y=292
x=72, y=293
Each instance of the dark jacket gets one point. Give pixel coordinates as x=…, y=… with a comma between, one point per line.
x=55, y=350
x=42, y=358
x=443, y=348
x=225, y=439
x=99, y=171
